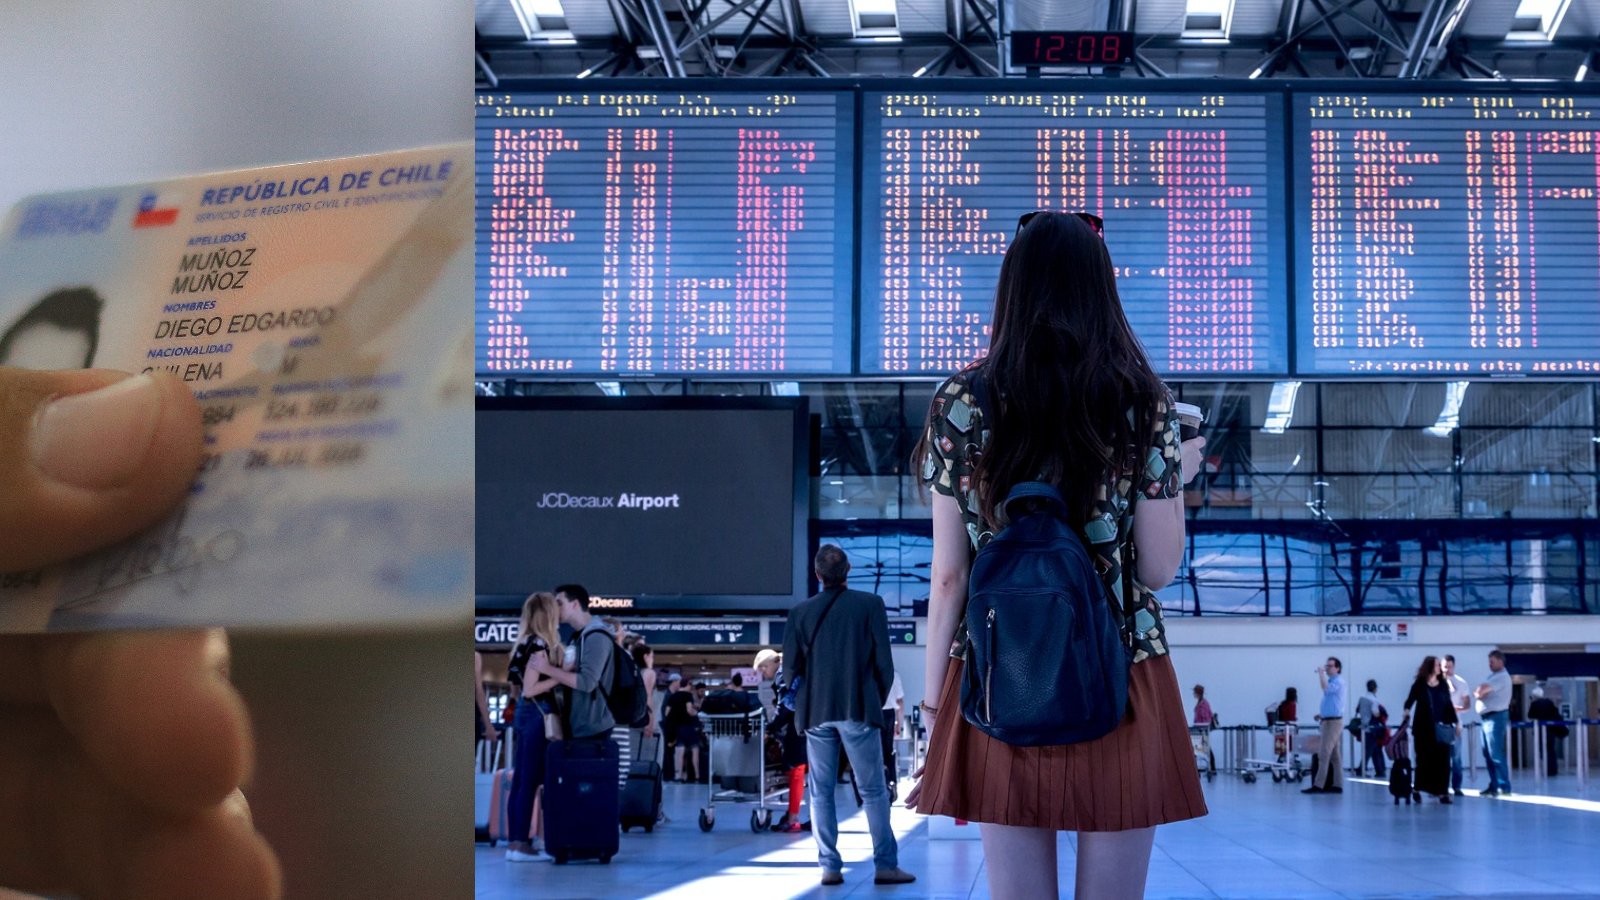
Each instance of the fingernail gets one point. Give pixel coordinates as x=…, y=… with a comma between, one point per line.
x=237, y=805
x=97, y=440
x=217, y=654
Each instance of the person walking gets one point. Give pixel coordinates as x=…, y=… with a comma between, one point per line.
x=1202, y=708
x=1205, y=719
x=1433, y=729
x=1374, y=720
x=539, y=634
x=646, y=742
x=838, y=642
x=1066, y=395
x=1289, y=707
x=894, y=712
x=683, y=725
x=1461, y=699
x=1543, y=709
x=780, y=727
x=1329, y=776
x=1494, y=708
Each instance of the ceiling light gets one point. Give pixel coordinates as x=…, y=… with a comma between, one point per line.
x=1208, y=19
x=875, y=18
x=610, y=388
x=1280, y=407
x=544, y=21
x=1537, y=20
x=1450, y=414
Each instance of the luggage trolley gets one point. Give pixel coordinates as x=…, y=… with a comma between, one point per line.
x=1205, y=761
x=750, y=727
x=1285, y=764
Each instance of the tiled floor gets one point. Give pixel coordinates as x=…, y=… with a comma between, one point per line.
x=1261, y=840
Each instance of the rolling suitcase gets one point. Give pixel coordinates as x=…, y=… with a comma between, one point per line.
x=494, y=807
x=581, y=803
x=1400, y=782
x=641, y=796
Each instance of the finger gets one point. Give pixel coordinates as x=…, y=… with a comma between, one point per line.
x=912, y=795
x=65, y=827
x=88, y=458
x=153, y=710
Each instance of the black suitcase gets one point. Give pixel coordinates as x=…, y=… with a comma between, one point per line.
x=581, y=804
x=1400, y=781
x=641, y=796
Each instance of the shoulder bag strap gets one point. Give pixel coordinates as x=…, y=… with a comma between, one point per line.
x=826, y=608
x=812, y=641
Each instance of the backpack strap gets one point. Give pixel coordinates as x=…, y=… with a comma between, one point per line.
x=978, y=382
x=610, y=666
x=1036, y=490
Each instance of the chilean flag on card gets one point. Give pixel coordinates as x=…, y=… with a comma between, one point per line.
x=152, y=216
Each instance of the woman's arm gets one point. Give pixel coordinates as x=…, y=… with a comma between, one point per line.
x=564, y=677
x=1158, y=535
x=947, y=595
x=539, y=685
x=650, y=693
x=482, y=698
x=1158, y=525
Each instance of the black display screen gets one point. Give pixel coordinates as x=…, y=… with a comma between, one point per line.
x=1448, y=233
x=687, y=497
x=1071, y=48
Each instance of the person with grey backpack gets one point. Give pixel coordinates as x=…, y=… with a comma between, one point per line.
x=1057, y=467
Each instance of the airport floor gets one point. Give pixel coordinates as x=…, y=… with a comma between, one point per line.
x=1261, y=840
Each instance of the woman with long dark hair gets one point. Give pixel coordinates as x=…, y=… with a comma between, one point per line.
x=1430, y=696
x=1074, y=402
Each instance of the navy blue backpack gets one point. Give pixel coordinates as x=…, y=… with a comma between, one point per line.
x=1048, y=661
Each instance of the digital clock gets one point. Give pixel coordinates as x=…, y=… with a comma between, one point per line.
x=1032, y=49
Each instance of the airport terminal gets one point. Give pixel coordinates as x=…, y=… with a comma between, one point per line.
x=731, y=257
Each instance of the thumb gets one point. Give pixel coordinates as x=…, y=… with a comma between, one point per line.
x=88, y=458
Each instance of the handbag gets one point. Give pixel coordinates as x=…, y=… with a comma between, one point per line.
x=1444, y=733
x=552, y=727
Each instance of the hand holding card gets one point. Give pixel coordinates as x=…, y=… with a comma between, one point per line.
x=313, y=311
x=133, y=744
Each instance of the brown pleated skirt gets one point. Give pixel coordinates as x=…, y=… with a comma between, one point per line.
x=1139, y=775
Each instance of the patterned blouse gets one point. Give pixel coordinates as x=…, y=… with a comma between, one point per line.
x=957, y=437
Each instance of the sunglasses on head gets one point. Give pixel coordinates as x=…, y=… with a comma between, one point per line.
x=1093, y=221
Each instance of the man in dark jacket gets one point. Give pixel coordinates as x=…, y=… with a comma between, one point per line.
x=838, y=642
x=1543, y=709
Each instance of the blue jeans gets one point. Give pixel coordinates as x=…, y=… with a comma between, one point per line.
x=528, y=772
x=1374, y=748
x=1455, y=765
x=1496, y=728
x=861, y=743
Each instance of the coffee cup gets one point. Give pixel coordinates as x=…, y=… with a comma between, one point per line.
x=1190, y=418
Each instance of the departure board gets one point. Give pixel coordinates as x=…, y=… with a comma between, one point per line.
x=1448, y=234
x=1190, y=187
x=645, y=232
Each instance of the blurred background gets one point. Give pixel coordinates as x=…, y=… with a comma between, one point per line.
x=359, y=734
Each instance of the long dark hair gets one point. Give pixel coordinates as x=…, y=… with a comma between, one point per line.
x=1063, y=368
x=1426, y=670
